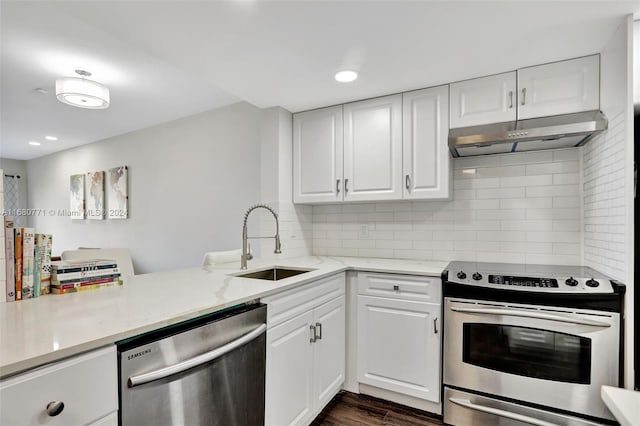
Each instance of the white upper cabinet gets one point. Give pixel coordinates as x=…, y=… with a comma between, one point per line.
x=559, y=88
x=426, y=160
x=373, y=149
x=484, y=100
x=317, y=156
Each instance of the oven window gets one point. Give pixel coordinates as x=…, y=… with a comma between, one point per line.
x=530, y=352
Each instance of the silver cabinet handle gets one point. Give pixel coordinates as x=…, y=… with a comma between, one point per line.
x=319, y=331
x=195, y=361
x=407, y=182
x=435, y=325
x=312, y=329
x=534, y=314
x=396, y=287
x=510, y=99
x=346, y=186
x=524, y=94
x=54, y=408
x=337, y=186
x=500, y=413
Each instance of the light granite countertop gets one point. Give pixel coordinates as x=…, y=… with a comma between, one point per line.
x=46, y=329
x=623, y=403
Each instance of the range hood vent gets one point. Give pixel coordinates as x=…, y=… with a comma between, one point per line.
x=558, y=131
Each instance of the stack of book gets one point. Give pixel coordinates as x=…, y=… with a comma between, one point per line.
x=28, y=262
x=71, y=276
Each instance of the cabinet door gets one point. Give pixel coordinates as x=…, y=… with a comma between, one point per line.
x=83, y=388
x=559, y=88
x=288, y=393
x=484, y=100
x=329, y=351
x=373, y=149
x=399, y=346
x=317, y=156
x=426, y=161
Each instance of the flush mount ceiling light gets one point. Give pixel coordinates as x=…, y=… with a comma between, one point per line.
x=51, y=138
x=82, y=93
x=34, y=143
x=346, y=76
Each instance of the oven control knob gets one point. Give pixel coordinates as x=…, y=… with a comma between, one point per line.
x=592, y=283
x=462, y=275
x=477, y=276
x=571, y=282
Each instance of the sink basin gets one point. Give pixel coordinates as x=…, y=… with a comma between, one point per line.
x=274, y=274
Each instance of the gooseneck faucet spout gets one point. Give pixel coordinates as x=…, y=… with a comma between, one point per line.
x=246, y=251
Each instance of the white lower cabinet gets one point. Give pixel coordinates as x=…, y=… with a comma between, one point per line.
x=81, y=390
x=399, y=342
x=305, y=353
x=289, y=384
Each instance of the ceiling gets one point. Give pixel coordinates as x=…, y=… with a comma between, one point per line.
x=163, y=60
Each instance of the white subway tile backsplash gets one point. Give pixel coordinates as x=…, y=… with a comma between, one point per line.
x=501, y=257
x=526, y=225
x=551, y=168
x=501, y=235
x=506, y=208
x=527, y=203
x=566, y=155
x=605, y=233
x=476, y=183
x=554, y=237
x=360, y=243
x=566, y=179
x=501, y=214
x=554, y=213
x=564, y=202
x=526, y=181
x=553, y=191
x=517, y=192
x=527, y=158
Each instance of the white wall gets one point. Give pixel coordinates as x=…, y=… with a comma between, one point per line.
x=277, y=189
x=608, y=178
x=519, y=208
x=190, y=182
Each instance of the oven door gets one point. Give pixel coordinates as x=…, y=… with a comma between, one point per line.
x=556, y=357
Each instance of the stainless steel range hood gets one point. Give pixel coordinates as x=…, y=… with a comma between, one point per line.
x=559, y=131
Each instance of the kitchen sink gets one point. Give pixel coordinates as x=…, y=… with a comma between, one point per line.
x=274, y=274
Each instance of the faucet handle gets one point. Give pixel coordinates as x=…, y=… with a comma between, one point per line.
x=278, y=245
x=249, y=254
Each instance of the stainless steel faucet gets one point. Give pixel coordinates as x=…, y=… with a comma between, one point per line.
x=246, y=252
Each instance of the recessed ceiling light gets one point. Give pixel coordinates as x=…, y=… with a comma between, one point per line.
x=346, y=76
x=34, y=143
x=51, y=138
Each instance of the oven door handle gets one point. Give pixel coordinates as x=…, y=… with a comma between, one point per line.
x=500, y=413
x=195, y=361
x=534, y=314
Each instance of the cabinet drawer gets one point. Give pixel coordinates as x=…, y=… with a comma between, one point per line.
x=419, y=288
x=86, y=384
x=285, y=305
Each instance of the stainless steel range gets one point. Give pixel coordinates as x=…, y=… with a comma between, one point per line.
x=529, y=344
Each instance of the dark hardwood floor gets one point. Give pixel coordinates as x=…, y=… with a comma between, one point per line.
x=349, y=409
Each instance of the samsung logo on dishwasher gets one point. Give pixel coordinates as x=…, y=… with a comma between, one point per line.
x=138, y=354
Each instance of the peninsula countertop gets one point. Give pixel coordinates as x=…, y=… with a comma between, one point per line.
x=38, y=331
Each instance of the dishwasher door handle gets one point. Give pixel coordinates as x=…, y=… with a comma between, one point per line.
x=195, y=361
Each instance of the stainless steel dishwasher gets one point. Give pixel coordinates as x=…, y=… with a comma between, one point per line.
x=208, y=371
